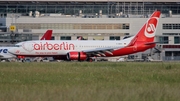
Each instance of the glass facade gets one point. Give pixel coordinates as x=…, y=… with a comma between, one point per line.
x=71, y=26
x=65, y=38
x=73, y=8
x=9, y=37
x=164, y=39
x=177, y=40
x=173, y=26
x=171, y=34
x=114, y=38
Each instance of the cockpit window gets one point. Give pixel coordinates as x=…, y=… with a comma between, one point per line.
x=18, y=45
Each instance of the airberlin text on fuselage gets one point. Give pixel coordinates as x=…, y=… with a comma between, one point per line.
x=53, y=46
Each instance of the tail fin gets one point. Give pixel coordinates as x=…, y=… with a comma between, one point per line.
x=147, y=32
x=47, y=35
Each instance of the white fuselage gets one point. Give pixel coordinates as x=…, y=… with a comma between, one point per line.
x=4, y=54
x=52, y=47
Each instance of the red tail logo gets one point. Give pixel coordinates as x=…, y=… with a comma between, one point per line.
x=147, y=32
x=151, y=27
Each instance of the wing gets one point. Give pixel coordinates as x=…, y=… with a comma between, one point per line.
x=102, y=51
x=1, y=56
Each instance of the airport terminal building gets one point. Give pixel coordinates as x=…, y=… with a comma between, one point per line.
x=22, y=20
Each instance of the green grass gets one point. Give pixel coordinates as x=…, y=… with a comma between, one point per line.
x=96, y=81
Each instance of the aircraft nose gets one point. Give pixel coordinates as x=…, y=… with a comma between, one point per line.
x=12, y=50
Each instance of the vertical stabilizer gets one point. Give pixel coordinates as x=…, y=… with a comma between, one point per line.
x=147, y=32
x=47, y=35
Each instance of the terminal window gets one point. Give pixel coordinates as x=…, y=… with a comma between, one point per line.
x=108, y=26
x=65, y=37
x=176, y=40
x=171, y=26
x=114, y=37
x=164, y=39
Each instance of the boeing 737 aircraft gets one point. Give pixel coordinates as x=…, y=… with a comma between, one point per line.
x=4, y=54
x=85, y=50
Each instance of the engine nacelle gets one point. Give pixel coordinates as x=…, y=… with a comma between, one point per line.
x=21, y=57
x=80, y=56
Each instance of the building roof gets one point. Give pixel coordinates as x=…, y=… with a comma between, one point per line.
x=84, y=2
x=92, y=0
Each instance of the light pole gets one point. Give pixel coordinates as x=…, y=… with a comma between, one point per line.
x=12, y=29
x=111, y=7
x=16, y=17
x=12, y=16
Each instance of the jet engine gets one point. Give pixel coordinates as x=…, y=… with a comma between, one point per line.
x=80, y=56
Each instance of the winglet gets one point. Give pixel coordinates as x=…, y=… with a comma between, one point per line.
x=47, y=35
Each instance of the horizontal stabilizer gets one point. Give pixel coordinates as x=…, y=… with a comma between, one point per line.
x=150, y=43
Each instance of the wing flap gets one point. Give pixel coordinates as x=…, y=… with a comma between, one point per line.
x=101, y=51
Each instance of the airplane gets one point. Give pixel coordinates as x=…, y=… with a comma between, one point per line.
x=4, y=54
x=86, y=50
